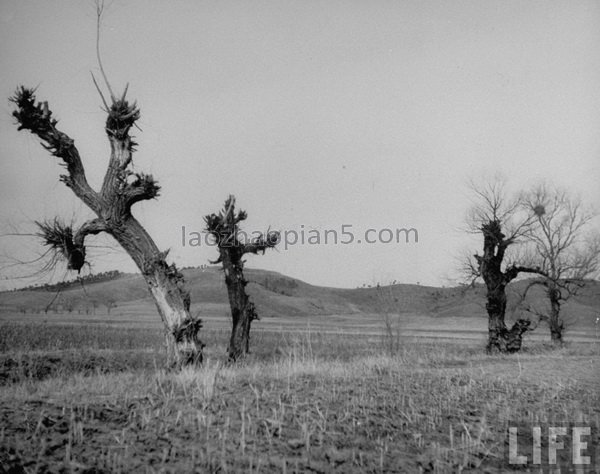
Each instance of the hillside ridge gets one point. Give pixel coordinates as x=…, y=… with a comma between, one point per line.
x=277, y=294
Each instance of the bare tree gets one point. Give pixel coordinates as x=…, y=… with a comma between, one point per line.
x=564, y=246
x=109, y=302
x=232, y=248
x=68, y=304
x=112, y=204
x=502, y=222
x=95, y=303
x=388, y=307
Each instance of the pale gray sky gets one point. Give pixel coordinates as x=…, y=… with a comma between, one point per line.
x=313, y=113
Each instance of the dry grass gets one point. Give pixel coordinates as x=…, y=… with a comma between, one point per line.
x=300, y=403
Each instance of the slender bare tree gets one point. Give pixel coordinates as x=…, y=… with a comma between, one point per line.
x=387, y=306
x=564, y=245
x=112, y=204
x=232, y=248
x=110, y=303
x=502, y=222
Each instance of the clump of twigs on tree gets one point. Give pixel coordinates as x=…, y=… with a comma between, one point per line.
x=59, y=237
x=121, y=117
x=145, y=186
x=37, y=118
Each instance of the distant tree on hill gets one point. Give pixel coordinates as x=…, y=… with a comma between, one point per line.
x=224, y=228
x=121, y=189
x=109, y=302
x=95, y=303
x=387, y=306
x=68, y=304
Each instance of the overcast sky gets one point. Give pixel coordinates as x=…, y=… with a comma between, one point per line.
x=315, y=114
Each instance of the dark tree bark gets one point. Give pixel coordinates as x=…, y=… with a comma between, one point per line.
x=495, y=244
x=121, y=189
x=555, y=321
x=224, y=228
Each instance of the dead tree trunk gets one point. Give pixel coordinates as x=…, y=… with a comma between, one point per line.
x=224, y=228
x=490, y=267
x=121, y=189
x=243, y=311
x=555, y=321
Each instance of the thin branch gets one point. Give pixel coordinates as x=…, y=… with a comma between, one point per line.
x=106, y=107
x=99, y=11
x=19, y=263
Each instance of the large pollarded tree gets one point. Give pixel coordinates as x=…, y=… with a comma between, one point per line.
x=112, y=204
x=502, y=223
x=233, y=246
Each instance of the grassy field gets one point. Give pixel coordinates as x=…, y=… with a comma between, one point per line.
x=95, y=398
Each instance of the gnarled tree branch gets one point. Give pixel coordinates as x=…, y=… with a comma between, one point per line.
x=67, y=244
x=513, y=271
x=121, y=117
x=37, y=118
x=144, y=187
x=262, y=243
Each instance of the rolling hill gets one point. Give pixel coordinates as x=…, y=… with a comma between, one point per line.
x=277, y=295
